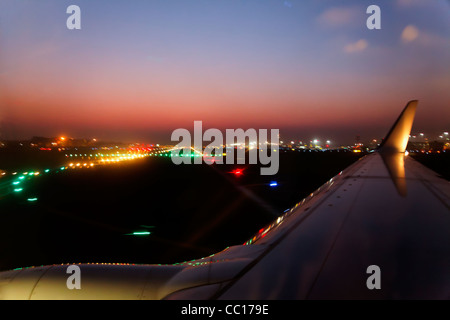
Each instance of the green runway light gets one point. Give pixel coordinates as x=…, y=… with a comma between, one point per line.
x=139, y=233
x=62, y=168
x=18, y=189
x=16, y=183
x=32, y=199
x=21, y=178
x=47, y=170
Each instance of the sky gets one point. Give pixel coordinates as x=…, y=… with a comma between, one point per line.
x=137, y=70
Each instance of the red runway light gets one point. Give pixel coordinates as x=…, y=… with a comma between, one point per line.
x=237, y=172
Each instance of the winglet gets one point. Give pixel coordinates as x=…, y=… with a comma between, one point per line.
x=397, y=138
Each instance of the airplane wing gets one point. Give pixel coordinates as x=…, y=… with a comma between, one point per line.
x=386, y=212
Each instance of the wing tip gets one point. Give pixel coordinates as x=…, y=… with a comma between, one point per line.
x=397, y=138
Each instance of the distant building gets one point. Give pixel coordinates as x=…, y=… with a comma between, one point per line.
x=42, y=142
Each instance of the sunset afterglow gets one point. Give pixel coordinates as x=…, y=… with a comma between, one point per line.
x=141, y=70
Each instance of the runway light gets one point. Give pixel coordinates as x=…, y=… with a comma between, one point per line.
x=237, y=172
x=18, y=189
x=273, y=184
x=32, y=199
x=139, y=233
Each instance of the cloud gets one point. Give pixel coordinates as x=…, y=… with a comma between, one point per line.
x=357, y=46
x=434, y=40
x=409, y=34
x=412, y=34
x=338, y=16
